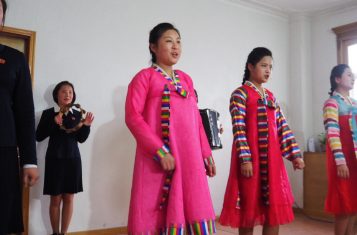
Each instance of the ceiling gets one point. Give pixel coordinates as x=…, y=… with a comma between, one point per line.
x=307, y=6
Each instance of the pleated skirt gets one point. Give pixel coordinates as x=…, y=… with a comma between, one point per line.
x=63, y=175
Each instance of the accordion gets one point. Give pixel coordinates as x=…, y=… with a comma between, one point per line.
x=210, y=120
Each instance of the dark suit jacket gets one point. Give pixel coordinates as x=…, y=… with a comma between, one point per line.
x=61, y=144
x=17, y=117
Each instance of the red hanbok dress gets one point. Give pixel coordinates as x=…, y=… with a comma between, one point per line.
x=266, y=197
x=340, y=124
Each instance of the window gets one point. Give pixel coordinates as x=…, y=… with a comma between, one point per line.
x=347, y=48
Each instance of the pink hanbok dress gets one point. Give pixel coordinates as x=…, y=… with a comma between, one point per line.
x=188, y=208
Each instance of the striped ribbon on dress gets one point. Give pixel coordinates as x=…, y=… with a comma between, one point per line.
x=165, y=124
x=263, y=134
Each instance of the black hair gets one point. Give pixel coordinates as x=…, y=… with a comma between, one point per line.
x=155, y=35
x=4, y=8
x=253, y=58
x=336, y=72
x=58, y=87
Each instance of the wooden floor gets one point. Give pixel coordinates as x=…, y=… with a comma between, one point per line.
x=302, y=225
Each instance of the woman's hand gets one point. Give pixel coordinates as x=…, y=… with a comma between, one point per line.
x=298, y=163
x=89, y=119
x=247, y=169
x=168, y=162
x=210, y=166
x=59, y=119
x=221, y=130
x=343, y=172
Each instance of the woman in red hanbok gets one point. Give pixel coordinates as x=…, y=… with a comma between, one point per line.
x=340, y=113
x=258, y=190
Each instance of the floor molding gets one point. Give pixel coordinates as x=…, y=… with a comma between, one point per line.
x=109, y=231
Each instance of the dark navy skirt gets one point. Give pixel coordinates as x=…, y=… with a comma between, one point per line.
x=63, y=175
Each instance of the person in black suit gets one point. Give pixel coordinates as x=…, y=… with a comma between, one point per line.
x=17, y=134
x=63, y=169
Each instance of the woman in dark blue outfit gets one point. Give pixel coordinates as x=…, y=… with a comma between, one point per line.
x=63, y=170
x=17, y=134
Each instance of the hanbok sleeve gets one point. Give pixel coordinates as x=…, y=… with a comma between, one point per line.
x=237, y=109
x=205, y=147
x=330, y=113
x=288, y=145
x=134, y=108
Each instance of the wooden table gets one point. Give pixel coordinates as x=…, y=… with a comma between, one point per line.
x=315, y=185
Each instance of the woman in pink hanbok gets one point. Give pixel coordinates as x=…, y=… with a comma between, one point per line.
x=170, y=193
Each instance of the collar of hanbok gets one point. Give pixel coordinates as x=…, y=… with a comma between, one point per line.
x=347, y=99
x=263, y=95
x=173, y=79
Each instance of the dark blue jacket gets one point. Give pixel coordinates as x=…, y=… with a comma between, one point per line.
x=17, y=116
x=61, y=144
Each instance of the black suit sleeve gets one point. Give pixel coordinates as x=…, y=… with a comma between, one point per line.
x=83, y=133
x=24, y=114
x=46, y=125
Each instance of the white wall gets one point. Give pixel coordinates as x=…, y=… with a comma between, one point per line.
x=324, y=56
x=300, y=107
x=313, y=53
x=100, y=45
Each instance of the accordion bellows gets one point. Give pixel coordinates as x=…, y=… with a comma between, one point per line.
x=210, y=121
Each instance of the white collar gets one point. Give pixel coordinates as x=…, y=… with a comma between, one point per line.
x=57, y=109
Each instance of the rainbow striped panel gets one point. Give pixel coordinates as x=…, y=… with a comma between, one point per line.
x=288, y=145
x=330, y=112
x=238, y=110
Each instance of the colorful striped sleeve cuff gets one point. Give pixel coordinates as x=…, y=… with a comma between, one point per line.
x=330, y=112
x=238, y=110
x=288, y=145
x=160, y=153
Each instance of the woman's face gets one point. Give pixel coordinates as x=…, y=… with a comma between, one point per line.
x=65, y=95
x=260, y=73
x=346, y=81
x=168, y=48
